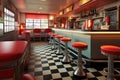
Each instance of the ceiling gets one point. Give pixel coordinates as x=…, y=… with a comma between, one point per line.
x=41, y=6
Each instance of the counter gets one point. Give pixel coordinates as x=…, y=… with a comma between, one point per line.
x=94, y=39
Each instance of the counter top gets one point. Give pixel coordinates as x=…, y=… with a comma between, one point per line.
x=88, y=32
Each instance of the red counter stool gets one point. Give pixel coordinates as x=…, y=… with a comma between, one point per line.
x=53, y=46
x=59, y=49
x=110, y=51
x=66, y=58
x=50, y=37
x=79, y=71
x=46, y=33
x=37, y=34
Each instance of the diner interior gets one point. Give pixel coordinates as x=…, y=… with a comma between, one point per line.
x=59, y=39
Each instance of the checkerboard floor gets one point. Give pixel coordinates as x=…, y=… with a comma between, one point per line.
x=44, y=64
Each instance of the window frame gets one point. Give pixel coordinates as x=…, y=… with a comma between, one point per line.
x=9, y=20
x=33, y=22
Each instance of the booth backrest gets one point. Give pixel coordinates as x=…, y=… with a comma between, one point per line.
x=48, y=30
x=36, y=30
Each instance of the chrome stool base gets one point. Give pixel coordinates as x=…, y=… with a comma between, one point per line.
x=59, y=52
x=66, y=59
x=78, y=73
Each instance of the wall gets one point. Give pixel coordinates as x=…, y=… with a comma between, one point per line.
x=12, y=35
x=22, y=17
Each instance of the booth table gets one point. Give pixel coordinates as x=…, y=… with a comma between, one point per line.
x=13, y=54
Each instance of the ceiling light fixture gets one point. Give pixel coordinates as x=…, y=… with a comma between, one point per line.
x=43, y=0
x=40, y=8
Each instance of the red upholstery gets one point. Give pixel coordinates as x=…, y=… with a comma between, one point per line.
x=109, y=49
x=79, y=45
x=37, y=34
x=36, y=30
x=54, y=35
x=59, y=36
x=48, y=30
x=50, y=33
x=8, y=50
x=65, y=39
x=28, y=77
x=25, y=35
x=10, y=53
x=8, y=73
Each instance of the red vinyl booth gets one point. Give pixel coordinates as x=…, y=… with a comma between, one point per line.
x=13, y=56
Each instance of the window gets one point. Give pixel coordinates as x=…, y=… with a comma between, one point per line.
x=1, y=28
x=36, y=21
x=9, y=20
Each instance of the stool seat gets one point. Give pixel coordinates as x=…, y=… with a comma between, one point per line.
x=79, y=45
x=27, y=77
x=58, y=36
x=65, y=39
x=109, y=49
x=53, y=35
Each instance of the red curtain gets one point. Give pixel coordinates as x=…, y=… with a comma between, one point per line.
x=37, y=16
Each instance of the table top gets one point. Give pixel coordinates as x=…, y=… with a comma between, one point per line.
x=11, y=50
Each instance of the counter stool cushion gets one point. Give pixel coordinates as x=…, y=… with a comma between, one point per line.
x=53, y=35
x=79, y=45
x=110, y=50
x=65, y=39
x=59, y=36
x=27, y=77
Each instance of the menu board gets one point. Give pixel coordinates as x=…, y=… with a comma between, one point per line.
x=112, y=13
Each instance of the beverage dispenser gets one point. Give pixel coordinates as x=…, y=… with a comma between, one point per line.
x=88, y=24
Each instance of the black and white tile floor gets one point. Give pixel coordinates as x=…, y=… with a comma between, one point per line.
x=44, y=64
